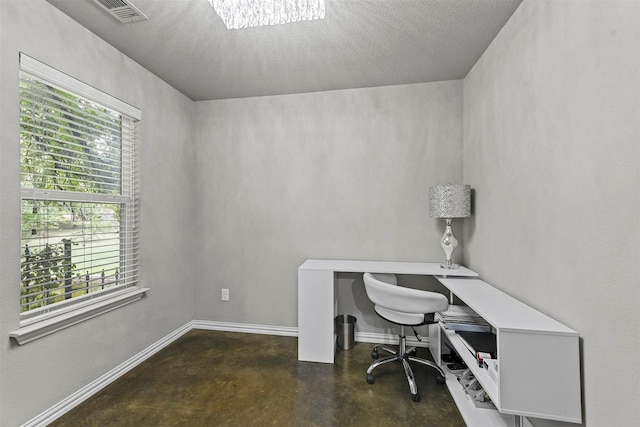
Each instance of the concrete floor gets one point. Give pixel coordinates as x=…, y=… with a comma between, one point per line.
x=211, y=378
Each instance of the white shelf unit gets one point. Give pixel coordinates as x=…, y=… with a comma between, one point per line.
x=538, y=359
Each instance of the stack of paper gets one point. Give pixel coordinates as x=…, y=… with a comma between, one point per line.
x=462, y=318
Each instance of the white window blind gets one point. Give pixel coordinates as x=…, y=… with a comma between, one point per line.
x=78, y=179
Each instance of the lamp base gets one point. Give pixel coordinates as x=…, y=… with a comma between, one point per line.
x=449, y=243
x=449, y=266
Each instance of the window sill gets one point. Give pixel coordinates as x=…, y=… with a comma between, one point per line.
x=39, y=329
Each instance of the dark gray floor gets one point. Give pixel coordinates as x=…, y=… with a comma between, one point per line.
x=211, y=378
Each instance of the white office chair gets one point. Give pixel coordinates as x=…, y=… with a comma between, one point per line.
x=404, y=307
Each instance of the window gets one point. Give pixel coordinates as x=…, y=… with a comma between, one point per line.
x=79, y=252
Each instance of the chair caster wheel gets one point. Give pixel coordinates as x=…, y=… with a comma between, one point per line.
x=370, y=379
x=440, y=379
x=415, y=397
x=374, y=353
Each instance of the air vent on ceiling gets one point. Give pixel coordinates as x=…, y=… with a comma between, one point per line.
x=122, y=10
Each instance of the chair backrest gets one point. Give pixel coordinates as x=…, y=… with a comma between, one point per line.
x=383, y=291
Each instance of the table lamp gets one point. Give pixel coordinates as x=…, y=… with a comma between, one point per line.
x=448, y=202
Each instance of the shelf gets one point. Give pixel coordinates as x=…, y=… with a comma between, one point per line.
x=552, y=389
x=481, y=374
x=472, y=415
x=501, y=310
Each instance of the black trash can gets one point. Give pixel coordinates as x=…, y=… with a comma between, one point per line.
x=345, y=328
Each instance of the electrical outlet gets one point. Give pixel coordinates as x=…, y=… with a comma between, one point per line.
x=225, y=294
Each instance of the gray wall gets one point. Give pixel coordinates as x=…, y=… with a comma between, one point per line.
x=551, y=131
x=551, y=148
x=341, y=174
x=35, y=376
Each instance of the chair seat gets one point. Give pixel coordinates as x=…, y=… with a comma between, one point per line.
x=400, y=318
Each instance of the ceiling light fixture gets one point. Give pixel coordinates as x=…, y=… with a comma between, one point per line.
x=252, y=13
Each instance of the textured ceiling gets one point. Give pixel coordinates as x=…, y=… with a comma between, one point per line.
x=360, y=43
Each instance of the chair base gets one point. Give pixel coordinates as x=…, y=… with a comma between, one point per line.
x=403, y=355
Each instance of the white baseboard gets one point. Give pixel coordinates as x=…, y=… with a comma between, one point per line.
x=247, y=328
x=389, y=339
x=59, y=409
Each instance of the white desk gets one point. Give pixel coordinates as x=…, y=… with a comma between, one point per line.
x=539, y=358
x=317, y=302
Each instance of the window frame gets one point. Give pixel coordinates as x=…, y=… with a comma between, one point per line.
x=45, y=320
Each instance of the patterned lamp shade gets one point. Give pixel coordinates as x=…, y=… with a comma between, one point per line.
x=450, y=201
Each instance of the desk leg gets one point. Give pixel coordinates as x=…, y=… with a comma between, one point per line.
x=316, y=306
x=435, y=343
